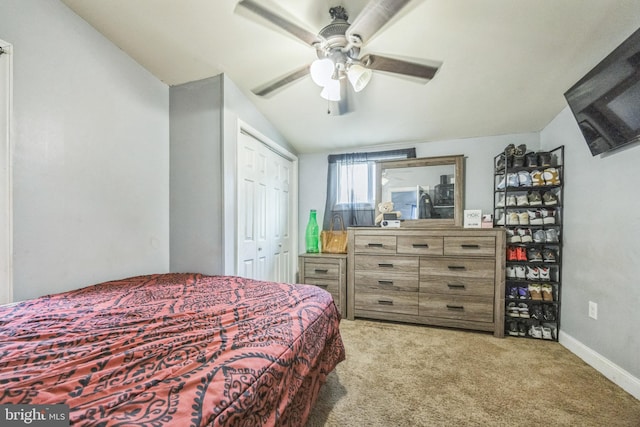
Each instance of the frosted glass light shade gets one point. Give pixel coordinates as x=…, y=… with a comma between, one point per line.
x=359, y=77
x=321, y=71
x=331, y=91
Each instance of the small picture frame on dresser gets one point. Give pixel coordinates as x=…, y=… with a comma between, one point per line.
x=472, y=218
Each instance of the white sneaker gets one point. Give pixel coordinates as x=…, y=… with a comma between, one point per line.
x=520, y=272
x=512, y=218
x=525, y=235
x=511, y=200
x=500, y=202
x=513, y=236
x=523, y=218
x=510, y=272
x=522, y=200
x=532, y=273
x=544, y=273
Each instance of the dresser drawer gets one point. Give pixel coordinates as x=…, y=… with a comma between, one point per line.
x=457, y=268
x=387, y=264
x=372, y=280
x=470, y=246
x=457, y=307
x=375, y=244
x=471, y=286
x=325, y=270
x=420, y=245
x=399, y=302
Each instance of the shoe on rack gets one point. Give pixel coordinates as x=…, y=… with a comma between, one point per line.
x=535, y=292
x=535, y=199
x=548, y=255
x=547, y=292
x=512, y=200
x=533, y=274
x=520, y=271
x=522, y=199
x=512, y=310
x=519, y=154
x=539, y=236
x=512, y=292
x=513, y=236
x=512, y=253
x=544, y=158
x=534, y=255
x=500, y=202
x=499, y=218
x=549, y=198
x=552, y=235
x=524, y=234
x=522, y=329
x=535, y=217
x=548, y=216
x=512, y=180
x=501, y=163
x=549, y=312
x=535, y=331
x=551, y=176
x=512, y=218
x=546, y=333
x=532, y=160
x=535, y=312
x=523, y=292
x=521, y=253
x=523, y=310
x=524, y=178
x=510, y=272
x=554, y=329
x=512, y=328
x=544, y=273
x=536, y=178
x=523, y=218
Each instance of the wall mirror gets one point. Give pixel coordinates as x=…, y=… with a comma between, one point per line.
x=428, y=191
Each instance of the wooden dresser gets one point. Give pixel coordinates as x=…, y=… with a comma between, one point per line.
x=328, y=271
x=446, y=276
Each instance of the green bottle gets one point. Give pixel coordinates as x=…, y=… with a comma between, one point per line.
x=311, y=237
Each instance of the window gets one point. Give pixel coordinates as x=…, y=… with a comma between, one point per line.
x=351, y=186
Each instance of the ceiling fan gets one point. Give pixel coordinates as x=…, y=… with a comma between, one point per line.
x=338, y=47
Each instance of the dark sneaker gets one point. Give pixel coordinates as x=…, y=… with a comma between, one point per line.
x=512, y=310
x=523, y=293
x=513, y=328
x=534, y=255
x=532, y=160
x=522, y=329
x=535, y=199
x=549, y=312
x=549, y=199
x=548, y=255
x=523, y=310
x=535, y=311
x=544, y=158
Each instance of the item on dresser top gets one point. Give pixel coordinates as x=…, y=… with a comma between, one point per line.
x=311, y=235
x=334, y=241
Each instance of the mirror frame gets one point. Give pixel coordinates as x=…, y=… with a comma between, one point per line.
x=457, y=161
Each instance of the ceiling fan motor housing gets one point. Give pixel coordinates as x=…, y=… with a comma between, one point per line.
x=333, y=36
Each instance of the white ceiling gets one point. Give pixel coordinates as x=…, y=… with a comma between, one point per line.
x=506, y=63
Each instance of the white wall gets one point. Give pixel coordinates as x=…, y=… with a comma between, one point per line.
x=91, y=154
x=479, y=155
x=601, y=250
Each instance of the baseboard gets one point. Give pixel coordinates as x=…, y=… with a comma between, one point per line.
x=613, y=372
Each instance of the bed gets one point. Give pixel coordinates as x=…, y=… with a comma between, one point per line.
x=172, y=350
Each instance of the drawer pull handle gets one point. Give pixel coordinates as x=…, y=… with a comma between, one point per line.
x=323, y=286
x=420, y=245
x=385, y=282
x=374, y=245
x=453, y=286
x=455, y=307
x=470, y=246
x=385, y=302
x=320, y=270
x=456, y=267
x=385, y=265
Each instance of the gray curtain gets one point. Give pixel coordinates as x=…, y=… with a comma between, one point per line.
x=345, y=171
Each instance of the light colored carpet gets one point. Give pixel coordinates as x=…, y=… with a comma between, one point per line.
x=410, y=375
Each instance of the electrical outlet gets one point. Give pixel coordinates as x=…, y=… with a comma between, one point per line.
x=593, y=310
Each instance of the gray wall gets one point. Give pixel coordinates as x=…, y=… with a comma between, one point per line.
x=601, y=253
x=204, y=129
x=91, y=154
x=196, y=177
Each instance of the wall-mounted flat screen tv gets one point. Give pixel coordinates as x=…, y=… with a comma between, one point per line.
x=606, y=102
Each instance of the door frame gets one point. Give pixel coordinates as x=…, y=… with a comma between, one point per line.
x=244, y=127
x=6, y=174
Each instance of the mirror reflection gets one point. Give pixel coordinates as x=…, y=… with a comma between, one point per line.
x=424, y=192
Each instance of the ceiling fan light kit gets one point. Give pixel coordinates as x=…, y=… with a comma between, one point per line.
x=338, y=47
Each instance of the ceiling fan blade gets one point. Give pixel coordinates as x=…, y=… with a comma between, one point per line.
x=293, y=29
x=271, y=87
x=399, y=66
x=373, y=17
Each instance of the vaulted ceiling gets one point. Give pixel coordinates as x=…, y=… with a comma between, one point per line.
x=505, y=63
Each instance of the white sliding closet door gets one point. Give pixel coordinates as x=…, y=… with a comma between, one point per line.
x=6, y=228
x=264, y=212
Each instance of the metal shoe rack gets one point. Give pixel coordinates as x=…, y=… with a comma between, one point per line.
x=533, y=223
